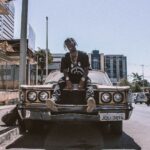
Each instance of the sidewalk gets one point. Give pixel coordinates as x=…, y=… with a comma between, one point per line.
x=3, y=111
x=8, y=97
x=7, y=133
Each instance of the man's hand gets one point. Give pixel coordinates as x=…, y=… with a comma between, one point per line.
x=68, y=84
x=81, y=84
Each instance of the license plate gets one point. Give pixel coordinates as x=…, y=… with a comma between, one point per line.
x=111, y=116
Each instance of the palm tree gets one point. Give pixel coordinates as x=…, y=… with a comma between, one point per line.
x=138, y=82
x=136, y=77
x=40, y=57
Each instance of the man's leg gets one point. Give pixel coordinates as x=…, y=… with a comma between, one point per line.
x=90, y=96
x=56, y=94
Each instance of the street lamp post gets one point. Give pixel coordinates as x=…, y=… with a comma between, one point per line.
x=23, y=43
x=46, y=46
x=143, y=74
x=37, y=71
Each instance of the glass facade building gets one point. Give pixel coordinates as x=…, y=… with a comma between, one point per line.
x=7, y=22
x=116, y=67
x=95, y=60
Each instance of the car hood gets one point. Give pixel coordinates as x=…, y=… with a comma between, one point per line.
x=112, y=87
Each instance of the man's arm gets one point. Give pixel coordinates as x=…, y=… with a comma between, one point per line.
x=68, y=82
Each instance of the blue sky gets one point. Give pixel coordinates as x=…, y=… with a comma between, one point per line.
x=110, y=26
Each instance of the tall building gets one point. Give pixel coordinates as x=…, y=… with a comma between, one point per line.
x=97, y=60
x=116, y=67
x=7, y=22
x=55, y=65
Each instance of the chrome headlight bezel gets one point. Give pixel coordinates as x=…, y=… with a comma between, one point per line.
x=106, y=97
x=118, y=97
x=34, y=96
x=41, y=98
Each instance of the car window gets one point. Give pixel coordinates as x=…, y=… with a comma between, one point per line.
x=99, y=78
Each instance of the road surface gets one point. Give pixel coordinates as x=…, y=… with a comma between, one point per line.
x=90, y=136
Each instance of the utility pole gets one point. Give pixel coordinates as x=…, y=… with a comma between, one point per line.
x=143, y=74
x=23, y=43
x=37, y=70
x=46, y=46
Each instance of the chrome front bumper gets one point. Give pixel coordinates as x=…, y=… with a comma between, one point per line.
x=70, y=112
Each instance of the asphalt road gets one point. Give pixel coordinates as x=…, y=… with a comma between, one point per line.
x=90, y=136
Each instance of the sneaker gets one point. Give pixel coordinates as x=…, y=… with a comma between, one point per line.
x=91, y=105
x=51, y=104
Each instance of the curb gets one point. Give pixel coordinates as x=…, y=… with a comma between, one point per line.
x=9, y=136
x=7, y=106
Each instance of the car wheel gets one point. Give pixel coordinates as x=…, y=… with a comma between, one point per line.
x=116, y=127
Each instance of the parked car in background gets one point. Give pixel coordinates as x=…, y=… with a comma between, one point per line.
x=140, y=97
x=134, y=96
x=147, y=93
x=148, y=98
x=113, y=103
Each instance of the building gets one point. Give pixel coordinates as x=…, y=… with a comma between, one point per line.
x=97, y=60
x=9, y=64
x=7, y=22
x=55, y=65
x=116, y=67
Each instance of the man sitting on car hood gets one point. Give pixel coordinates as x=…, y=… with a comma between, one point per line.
x=75, y=66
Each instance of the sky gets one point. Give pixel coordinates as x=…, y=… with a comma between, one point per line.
x=110, y=26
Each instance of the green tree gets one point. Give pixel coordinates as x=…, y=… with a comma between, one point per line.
x=137, y=78
x=138, y=82
x=40, y=57
x=124, y=82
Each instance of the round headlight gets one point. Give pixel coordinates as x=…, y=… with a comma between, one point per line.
x=118, y=97
x=32, y=96
x=43, y=96
x=106, y=97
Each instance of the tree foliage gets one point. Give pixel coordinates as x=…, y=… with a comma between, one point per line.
x=40, y=57
x=124, y=82
x=136, y=84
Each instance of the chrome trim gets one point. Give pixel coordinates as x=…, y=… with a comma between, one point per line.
x=76, y=108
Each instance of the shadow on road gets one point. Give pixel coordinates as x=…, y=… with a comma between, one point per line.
x=74, y=136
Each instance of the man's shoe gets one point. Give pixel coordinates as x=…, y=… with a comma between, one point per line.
x=91, y=105
x=51, y=104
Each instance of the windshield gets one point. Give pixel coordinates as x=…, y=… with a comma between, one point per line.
x=97, y=77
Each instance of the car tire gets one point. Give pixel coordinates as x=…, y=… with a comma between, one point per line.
x=116, y=127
